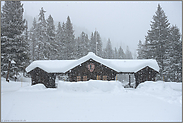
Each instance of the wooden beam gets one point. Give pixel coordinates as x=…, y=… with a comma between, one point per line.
x=129, y=80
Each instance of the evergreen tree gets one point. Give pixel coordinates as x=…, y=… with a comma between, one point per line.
x=87, y=42
x=50, y=27
x=115, y=53
x=121, y=54
x=140, y=50
x=108, y=50
x=33, y=39
x=59, y=37
x=96, y=42
x=14, y=45
x=173, y=54
x=64, y=42
x=92, y=44
x=82, y=45
x=41, y=46
x=144, y=51
x=163, y=44
x=12, y=22
x=157, y=39
x=78, y=48
x=52, y=45
x=70, y=42
x=128, y=54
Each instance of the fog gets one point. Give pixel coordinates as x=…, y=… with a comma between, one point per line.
x=125, y=23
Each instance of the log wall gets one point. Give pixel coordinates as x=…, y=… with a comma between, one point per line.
x=40, y=76
x=100, y=72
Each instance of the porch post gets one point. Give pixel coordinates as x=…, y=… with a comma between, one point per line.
x=129, y=80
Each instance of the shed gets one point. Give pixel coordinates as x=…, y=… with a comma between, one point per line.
x=91, y=67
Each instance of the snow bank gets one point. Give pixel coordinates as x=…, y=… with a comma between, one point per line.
x=36, y=87
x=12, y=85
x=167, y=91
x=151, y=86
x=90, y=86
x=174, y=85
x=159, y=86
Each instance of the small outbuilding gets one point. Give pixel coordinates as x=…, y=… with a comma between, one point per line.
x=91, y=67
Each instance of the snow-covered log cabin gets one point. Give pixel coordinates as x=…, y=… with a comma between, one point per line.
x=91, y=67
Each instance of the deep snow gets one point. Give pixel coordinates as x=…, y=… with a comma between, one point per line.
x=91, y=101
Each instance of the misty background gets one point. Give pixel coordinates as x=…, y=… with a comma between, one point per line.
x=124, y=22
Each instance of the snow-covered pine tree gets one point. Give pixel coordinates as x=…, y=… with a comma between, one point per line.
x=26, y=31
x=173, y=68
x=77, y=54
x=64, y=41
x=52, y=45
x=92, y=44
x=41, y=46
x=70, y=42
x=145, y=50
x=33, y=39
x=157, y=38
x=108, y=50
x=98, y=43
x=12, y=17
x=87, y=44
x=128, y=53
x=140, y=50
x=82, y=45
x=121, y=54
x=115, y=53
x=59, y=39
x=14, y=45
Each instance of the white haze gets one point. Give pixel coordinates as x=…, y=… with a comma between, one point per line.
x=125, y=23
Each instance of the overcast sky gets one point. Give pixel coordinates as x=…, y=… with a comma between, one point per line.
x=125, y=23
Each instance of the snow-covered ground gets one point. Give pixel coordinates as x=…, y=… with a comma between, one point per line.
x=91, y=101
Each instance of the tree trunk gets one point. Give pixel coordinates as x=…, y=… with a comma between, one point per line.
x=8, y=71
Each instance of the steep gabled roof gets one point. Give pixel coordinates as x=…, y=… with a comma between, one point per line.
x=119, y=65
x=91, y=55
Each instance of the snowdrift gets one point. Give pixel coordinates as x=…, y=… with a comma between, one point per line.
x=167, y=91
x=87, y=86
x=90, y=86
x=37, y=87
x=159, y=86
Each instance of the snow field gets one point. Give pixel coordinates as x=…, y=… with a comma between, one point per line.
x=91, y=101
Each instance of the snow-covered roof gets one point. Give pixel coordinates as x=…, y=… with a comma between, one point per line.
x=119, y=65
x=50, y=66
x=134, y=65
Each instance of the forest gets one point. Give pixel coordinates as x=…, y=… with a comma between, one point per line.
x=45, y=41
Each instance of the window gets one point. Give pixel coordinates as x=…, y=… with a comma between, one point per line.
x=78, y=78
x=104, y=77
x=84, y=78
x=98, y=77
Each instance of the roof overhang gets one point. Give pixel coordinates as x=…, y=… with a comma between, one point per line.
x=118, y=65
